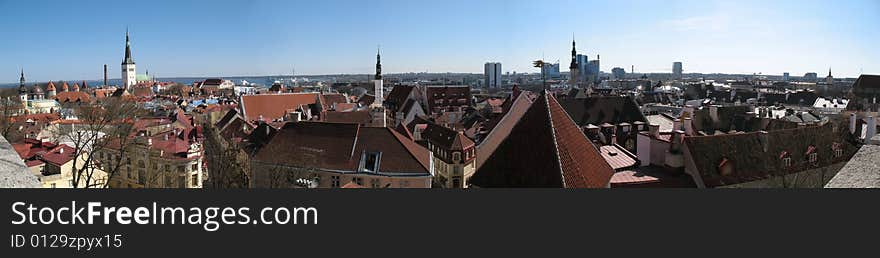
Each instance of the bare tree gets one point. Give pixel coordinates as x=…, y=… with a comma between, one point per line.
x=9, y=108
x=228, y=164
x=105, y=128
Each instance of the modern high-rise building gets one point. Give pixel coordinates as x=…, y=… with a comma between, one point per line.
x=618, y=73
x=551, y=70
x=786, y=77
x=811, y=77
x=492, y=74
x=583, y=67
x=129, y=74
x=676, y=70
x=593, y=70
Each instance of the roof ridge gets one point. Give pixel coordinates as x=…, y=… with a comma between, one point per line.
x=546, y=97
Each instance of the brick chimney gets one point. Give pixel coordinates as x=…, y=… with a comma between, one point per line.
x=105, y=75
x=676, y=124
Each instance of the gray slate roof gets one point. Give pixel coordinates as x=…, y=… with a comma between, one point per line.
x=13, y=173
x=862, y=171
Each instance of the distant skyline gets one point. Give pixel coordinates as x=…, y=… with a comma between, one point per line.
x=71, y=40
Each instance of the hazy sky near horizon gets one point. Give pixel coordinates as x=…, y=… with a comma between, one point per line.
x=71, y=40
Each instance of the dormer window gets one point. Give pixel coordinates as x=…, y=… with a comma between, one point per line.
x=370, y=161
x=456, y=156
x=786, y=159
x=838, y=151
x=812, y=155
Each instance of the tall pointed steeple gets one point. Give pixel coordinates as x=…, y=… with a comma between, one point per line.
x=21, y=80
x=129, y=71
x=574, y=64
x=378, y=65
x=127, y=59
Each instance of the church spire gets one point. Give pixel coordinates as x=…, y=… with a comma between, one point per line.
x=378, y=65
x=21, y=80
x=127, y=59
x=574, y=64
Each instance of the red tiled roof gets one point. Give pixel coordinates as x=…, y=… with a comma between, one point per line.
x=39, y=118
x=329, y=100
x=59, y=155
x=500, y=127
x=362, y=117
x=617, y=157
x=345, y=107
x=544, y=149
x=629, y=177
x=73, y=97
x=337, y=146
x=274, y=106
x=447, y=96
x=582, y=165
x=446, y=138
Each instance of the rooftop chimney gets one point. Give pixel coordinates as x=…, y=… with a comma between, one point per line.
x=688, y=126
x=655, y=130
x=105, y=75
x=676, y=124
x=852, y=123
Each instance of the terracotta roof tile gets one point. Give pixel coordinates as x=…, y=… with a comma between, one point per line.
x=544, y=149
x=274, y=106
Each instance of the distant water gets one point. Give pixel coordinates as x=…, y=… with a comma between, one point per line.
x=262, y=80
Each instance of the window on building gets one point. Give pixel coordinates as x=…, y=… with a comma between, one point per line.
x=374, y=183
x=154, y=166
x=358, y=180
x=195, y=180
x=142, y=177
x=838, y=153
x=786, y=162
x=334, y=181
x=456, y=156
x=181, y=181
x=370, y=161
x=53, y=185
x=456, y=182
x=169, y=181
x=195, y=167
x=814, y=158
x=456, y=170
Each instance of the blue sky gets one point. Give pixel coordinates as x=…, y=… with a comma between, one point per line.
x=71, y=40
